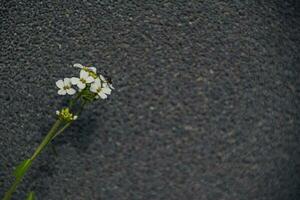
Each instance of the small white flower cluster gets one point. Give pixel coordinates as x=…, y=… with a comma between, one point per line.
x=88, y=77
x=66, y=115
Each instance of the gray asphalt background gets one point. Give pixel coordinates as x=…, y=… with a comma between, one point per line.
x=206, y=105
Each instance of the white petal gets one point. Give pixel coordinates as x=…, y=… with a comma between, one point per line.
x=84, y=74
x=89, y=79
x=61, y=92
x=106, y=90
x=111, y=86
x=75, y=80
x=104, y=85
x=67, y=81
x=102, y=78
x=57, y=112
x=102, y=95
x=98, y=82
x=77, y=65
x=81, y=85
x=59, y=84
x=94, y=88
x=71, y=91
x=93, y=69
x=75, y=117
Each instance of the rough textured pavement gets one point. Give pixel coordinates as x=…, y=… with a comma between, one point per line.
x=206, y=105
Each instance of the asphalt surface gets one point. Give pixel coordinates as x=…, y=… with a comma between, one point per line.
x=206, y=105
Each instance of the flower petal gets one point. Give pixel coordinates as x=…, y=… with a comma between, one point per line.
x=89, y=79
x=94, y=88
x=93, y=69
x=60, y=83
x=84, y=74
x=102, y=95
x=75, y=80
x=102, y=78
x=77, y=65
x=62, y=92
x=111, y=86
x=71, y=91
x=81, y=85
x=98, y=82
x=106, y=90
x=67, y=81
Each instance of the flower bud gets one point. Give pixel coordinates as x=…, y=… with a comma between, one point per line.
x=66, y=115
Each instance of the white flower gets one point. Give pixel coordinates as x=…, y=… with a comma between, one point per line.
x=102, y=90
x=93, y=69
x=106, y=82
x=83, y=80
x=65, y=87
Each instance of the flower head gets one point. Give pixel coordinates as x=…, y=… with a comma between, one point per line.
x=100, y=88
x=65, y=87
x=66, y=115
x=84, y=79
x=90, y=84
x=93, y=69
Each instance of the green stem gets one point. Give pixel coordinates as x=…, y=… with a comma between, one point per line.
x=39, y=149
x=61, y=130
x=47, y=139
x=73, y=101
x=54, y=132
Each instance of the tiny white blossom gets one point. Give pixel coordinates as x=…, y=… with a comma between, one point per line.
x=84, y=79
x=93, y=69
x=102, y=90
x=65, y=87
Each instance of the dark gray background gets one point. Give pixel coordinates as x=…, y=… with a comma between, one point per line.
x=206, y=104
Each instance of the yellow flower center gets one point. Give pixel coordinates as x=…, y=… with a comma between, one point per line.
x=66, y=87
x=66, y=115
x=91, y=73
x=82, y=80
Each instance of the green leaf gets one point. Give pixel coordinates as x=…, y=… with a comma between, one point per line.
x=21, y=168
x=31, y=196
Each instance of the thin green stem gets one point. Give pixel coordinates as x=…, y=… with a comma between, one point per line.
x=54, y=132
x=73, y=101
x=61, y=130
x=81, y=108
x=53, y=149
x=46, y=140
x=12, y=189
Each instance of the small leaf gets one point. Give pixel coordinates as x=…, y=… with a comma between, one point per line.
x=21, y=168
x=31, y=196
